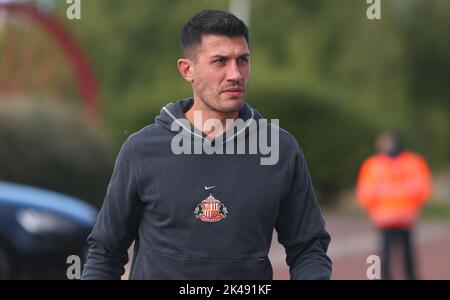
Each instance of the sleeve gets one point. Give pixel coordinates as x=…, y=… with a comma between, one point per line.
x=367, y=189
x=117, y=223
x=300, y=225
x=418, y=184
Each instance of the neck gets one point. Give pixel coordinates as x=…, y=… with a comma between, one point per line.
x=207, y=115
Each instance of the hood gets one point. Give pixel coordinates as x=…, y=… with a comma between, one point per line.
x=174, y=112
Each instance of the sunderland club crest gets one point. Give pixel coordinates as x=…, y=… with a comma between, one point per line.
x=210, y=210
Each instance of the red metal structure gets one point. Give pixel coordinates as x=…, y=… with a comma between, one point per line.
x=73, y=54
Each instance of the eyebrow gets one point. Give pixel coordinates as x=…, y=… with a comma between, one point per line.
x=227, y=56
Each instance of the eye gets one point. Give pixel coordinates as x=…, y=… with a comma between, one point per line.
x=219, y=60
x=243, y=59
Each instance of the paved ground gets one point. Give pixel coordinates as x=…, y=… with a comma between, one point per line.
x=353, y=240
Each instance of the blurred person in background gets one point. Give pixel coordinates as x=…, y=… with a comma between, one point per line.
x=392, y=187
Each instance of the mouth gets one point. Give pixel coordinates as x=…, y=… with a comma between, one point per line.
x=233, y=92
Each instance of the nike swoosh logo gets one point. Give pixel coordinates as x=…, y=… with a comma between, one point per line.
x=209, y=187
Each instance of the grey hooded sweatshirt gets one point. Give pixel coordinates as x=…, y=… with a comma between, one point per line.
x=206, y=216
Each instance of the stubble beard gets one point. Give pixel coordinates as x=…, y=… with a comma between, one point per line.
x=216, y=101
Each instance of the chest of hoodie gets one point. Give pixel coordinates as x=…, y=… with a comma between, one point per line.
x=204, y=204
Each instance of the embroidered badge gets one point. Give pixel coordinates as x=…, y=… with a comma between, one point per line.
x=210, y=210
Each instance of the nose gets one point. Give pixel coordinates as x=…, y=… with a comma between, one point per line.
x=234, y=73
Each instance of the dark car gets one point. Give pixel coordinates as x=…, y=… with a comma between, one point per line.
x=39, y=230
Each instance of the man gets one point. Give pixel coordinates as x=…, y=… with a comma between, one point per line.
x=392, y=187
x=208, y=216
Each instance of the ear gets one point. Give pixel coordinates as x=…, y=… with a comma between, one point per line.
x=186, y=68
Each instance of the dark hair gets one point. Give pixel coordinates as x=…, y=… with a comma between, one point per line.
x=397, y=145
x=211, y=22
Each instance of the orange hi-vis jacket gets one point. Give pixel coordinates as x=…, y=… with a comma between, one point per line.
x=393, y=189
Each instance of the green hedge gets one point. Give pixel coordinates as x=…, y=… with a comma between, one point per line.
x=334, y=142
x=54, y=147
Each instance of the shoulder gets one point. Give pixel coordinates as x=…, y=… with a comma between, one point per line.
x=140, y=140
x=373, y=162
x=143, y=135
x=413, y=158
x=290, y=150
x=411, y=155
x=375, y=159
x=286, y=139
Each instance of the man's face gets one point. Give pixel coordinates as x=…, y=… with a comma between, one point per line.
x=385, y=143
x=221, y=72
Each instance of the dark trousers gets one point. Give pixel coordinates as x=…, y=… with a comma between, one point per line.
x=397, y=240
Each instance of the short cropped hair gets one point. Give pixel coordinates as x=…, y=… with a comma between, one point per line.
x=216, y=22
